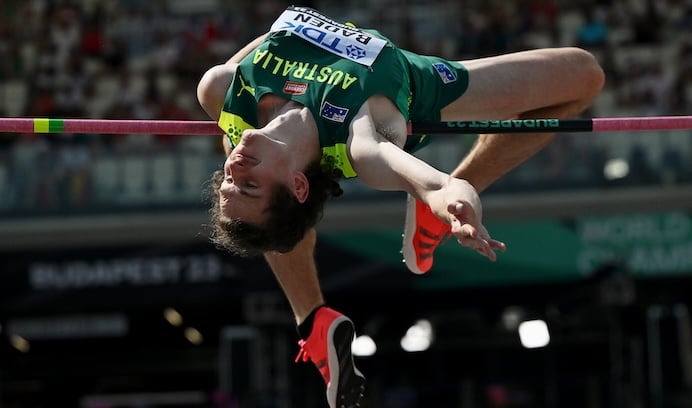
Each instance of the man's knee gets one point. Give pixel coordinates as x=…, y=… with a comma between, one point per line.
x=592, y=77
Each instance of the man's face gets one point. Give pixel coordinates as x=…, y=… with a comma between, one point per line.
x=251, y=172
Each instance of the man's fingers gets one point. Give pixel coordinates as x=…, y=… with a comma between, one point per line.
x=469, y=235
x=481, y=246
x=498, y=245
x=490, y=253
x=468, y=231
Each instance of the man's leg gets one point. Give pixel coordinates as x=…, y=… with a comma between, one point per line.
x=296, y=272
x=547, y=83
x=326, y=335
x=544, y=83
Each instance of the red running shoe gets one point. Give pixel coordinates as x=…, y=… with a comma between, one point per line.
x=423, y=232
x=329, y=349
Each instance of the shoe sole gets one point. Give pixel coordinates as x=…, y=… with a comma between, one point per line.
x=346, y=388
x=407, y=248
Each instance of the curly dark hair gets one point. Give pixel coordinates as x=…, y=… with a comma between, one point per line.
x=288, y=219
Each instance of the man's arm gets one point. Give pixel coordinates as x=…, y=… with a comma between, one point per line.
x=382, y=165
x=212, y=87
x=247, y=49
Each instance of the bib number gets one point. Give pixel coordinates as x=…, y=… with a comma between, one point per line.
x=340, y=39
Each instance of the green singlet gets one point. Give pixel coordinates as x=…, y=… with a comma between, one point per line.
x=334, y=88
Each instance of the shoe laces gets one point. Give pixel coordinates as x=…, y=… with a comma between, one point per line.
x=305, y=356
x=303, y=352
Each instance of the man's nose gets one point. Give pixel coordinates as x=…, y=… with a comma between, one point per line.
x=238, y=161
x=227, y=166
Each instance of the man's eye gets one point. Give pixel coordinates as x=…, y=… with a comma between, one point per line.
x=250, y=185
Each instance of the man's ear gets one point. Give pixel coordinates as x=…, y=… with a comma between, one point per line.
x=301, y=186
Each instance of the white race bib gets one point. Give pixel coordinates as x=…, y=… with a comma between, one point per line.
x=339, y=39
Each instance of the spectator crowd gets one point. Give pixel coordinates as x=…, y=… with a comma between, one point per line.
x=137, y=59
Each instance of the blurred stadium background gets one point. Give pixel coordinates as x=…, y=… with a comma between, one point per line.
x=111, y=297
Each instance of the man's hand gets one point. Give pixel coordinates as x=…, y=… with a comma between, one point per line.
x=470, y=232
x=459, y=205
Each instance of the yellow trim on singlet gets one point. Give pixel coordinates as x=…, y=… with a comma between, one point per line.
x=233, y=126
x=338, y=154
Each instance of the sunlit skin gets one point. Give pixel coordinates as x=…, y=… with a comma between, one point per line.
x=262, y=159
x=248, y=178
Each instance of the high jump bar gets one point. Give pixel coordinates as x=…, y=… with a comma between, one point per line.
x=192, y=127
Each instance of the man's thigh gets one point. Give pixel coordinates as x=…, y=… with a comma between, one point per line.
x=505, y=86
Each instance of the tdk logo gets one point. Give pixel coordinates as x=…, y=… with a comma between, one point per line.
x=332, y=43
x=339, y=39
